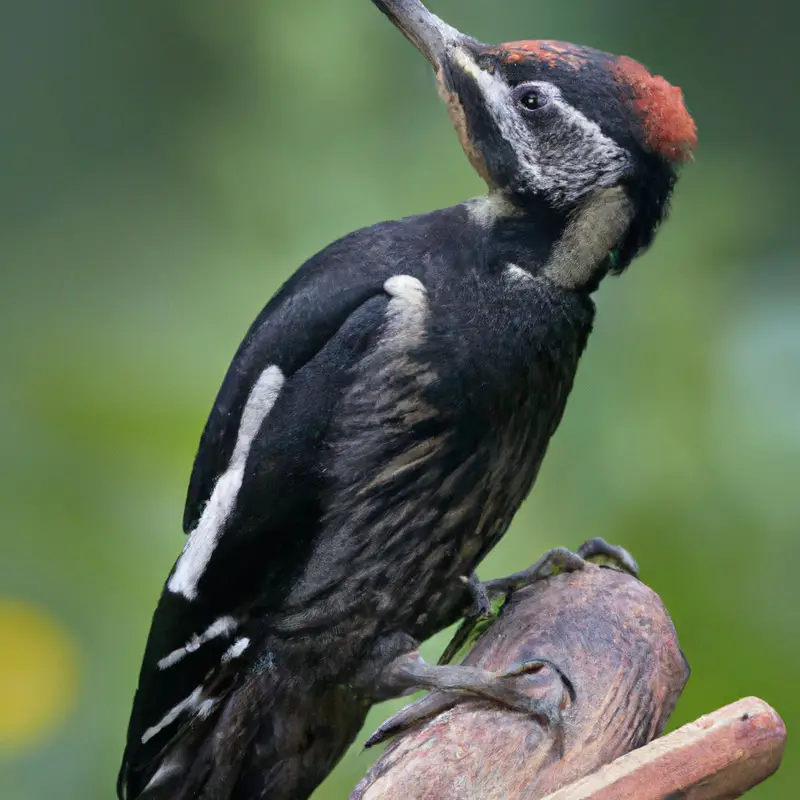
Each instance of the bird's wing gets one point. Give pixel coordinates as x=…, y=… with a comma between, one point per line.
x=254, y=502
x=289, y=332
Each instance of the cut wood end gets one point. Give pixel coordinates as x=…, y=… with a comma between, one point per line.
x=722, y=754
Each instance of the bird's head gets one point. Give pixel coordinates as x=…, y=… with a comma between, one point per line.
x=546, y=121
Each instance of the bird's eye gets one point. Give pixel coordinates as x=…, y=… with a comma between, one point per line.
x=532, y=98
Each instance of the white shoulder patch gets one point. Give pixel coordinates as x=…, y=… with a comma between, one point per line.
x=517, y=274
x=407, y=288
x=407, y=311
x=203, y=539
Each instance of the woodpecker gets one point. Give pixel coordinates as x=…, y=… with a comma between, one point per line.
x=384, y=418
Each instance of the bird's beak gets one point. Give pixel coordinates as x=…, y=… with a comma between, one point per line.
x=429, y=34
x=452, y=55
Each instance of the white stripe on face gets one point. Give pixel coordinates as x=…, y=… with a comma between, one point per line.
x=563, y=158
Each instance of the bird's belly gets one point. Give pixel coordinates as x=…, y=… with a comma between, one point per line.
x=434, y=594
x=399, y=561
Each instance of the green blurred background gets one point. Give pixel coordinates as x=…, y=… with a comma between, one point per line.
x=164, y=166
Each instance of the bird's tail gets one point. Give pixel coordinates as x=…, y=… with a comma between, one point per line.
x=276, y=735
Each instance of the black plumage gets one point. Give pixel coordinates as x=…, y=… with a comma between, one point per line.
x=440, y=433
x=381, y=423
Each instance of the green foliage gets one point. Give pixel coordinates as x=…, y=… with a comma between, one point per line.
x=167, y=165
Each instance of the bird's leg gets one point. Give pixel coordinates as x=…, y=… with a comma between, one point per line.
x=536, y=687
x=487, y=598
x=546, y=689
x=480, y=601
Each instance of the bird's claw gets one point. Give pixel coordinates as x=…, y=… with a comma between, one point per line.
x=600, y=552
x=559, y=560
x=553, y=562
x=537, y=688
x=488, y=598
x=481, y=603
x=405, y=719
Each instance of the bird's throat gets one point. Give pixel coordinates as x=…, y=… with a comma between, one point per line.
x=592, y=232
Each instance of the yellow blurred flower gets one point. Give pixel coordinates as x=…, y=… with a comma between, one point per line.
x=38, y=675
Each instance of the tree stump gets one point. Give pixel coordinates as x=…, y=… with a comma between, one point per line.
x=613, y=642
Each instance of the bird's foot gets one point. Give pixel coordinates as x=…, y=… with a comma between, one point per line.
x=600, y=552
x=489, y=597
x=480, y=602
x=558, y=560
x=536, y=687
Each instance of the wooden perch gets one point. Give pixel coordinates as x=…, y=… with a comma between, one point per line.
x=720, y=755
x=612, y=638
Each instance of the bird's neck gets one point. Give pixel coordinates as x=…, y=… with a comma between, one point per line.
x=571, y=248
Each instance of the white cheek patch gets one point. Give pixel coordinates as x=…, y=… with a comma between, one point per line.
x=578, y=157
x=568, y=157
x=203, y=539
